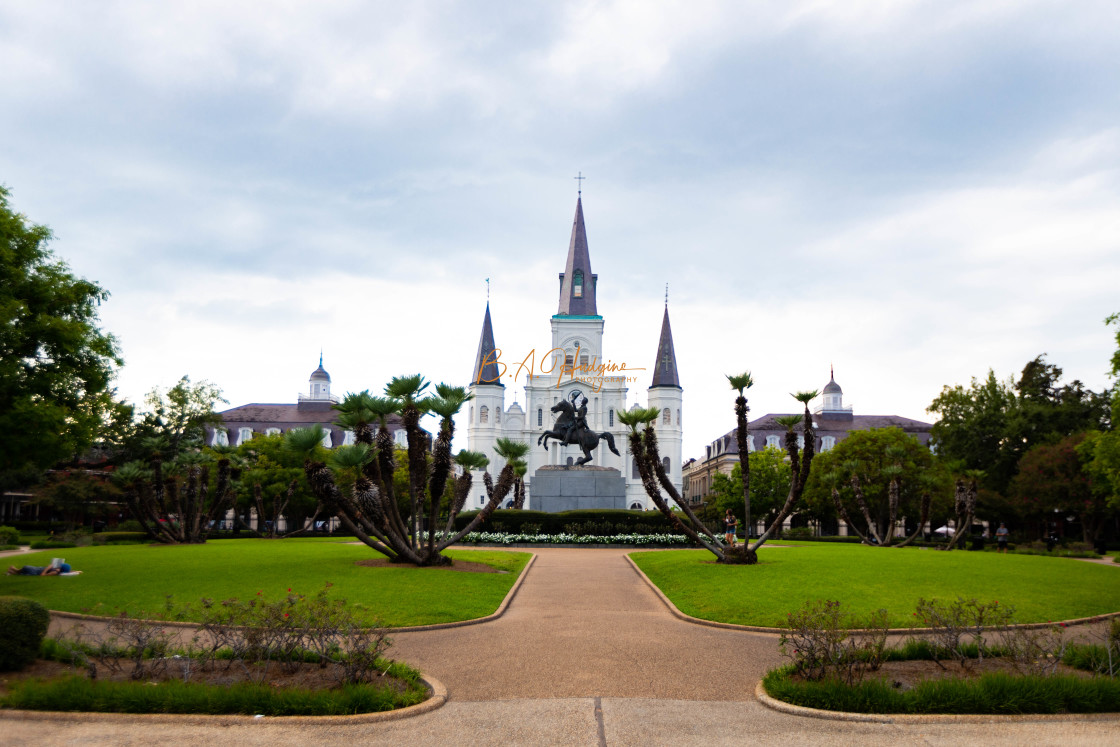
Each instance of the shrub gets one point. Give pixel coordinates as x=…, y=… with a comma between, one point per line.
x=9, y=536
x=825, y=642
x=105, y=538
x=952, y=624
x=24, y=622
x=589, y=521
x=797, y=533
x=52, y=544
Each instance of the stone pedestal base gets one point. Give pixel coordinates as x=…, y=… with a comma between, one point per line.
x=555, y=488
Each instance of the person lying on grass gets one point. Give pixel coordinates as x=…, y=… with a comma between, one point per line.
x=39, y=570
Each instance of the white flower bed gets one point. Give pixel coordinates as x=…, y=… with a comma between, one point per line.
x=500, y=538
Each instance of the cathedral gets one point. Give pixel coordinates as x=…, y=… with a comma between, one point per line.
x=576, y=367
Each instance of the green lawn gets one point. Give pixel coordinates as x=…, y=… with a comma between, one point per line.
x=867, y=578
x=137, y=578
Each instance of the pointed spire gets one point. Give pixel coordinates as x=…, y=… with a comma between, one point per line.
x=485, y=364
x=665, y=365
x=577, y=284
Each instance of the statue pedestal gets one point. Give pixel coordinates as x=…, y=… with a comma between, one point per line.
x=557, y=488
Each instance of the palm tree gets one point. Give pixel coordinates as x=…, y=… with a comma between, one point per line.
x=742, y=382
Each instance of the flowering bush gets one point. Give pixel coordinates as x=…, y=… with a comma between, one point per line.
x=502, y=538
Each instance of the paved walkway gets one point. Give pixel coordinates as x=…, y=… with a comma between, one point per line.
x=585, y=655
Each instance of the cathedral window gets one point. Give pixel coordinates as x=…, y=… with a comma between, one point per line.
x=665, y=464
x=568, y=359
x=667, y=417
x=610, y=419
x=678, y=417
x=497, y=415
x=583, y=360
x=577, y=284
x=635, y=506
x=634, y=470
x=484, y=414
x=540, y=416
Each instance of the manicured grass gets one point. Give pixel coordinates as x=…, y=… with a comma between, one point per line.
x=868, y=578
x=138, y=578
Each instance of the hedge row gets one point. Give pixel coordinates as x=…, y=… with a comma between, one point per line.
x=596, y=521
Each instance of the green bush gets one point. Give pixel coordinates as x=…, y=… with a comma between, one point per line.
x=52, y=544
x=24, y=622
x=105, y=538
x=9, y=536
x=591, y=521
x=130, y=525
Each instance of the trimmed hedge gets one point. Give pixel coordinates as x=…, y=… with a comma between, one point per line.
x=107, y=537
x=597, y=521
x=24, y=622
x=9, y=536
x=51, y=544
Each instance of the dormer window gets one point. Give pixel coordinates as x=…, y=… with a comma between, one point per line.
x=577, y=284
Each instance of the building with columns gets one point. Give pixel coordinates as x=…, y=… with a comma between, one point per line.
x=577, y=365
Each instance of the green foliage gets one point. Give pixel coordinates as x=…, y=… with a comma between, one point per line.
x=770, y=481
x=991, y=693
x=824, y=640
x=1100, y=458
x=52, y=544
x=56, y=365
x=1053, y=478
x=304, y=441
x=176, y=419
x=9, y=536
x=871, y=455
x=741, y=382
x=107, y=538
x=589, y=521
x=636, y=417
x=78, y=495
x=24, y=623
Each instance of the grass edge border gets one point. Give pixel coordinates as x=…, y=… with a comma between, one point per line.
x=775, y=631
x=63, y=615
x=936, y=718
x=437, y=698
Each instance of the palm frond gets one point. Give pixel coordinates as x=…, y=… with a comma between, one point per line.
x=304, y=440
x=511, y=450
x=788, y=421
x=805, y=397
x=472, y=459
x=741, y=381
x=407, y=388
x=351, y=457
x=637, y=416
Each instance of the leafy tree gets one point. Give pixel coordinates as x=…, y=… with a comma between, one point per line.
x=177, y=418
x=1052, y=478
x=179, y=504
x=878, y=476
x=56, y=365
x=370, y=508
x=77, y=494
x=270, y=479
x=770, y=481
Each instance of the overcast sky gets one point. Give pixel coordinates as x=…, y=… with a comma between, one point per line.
x=914, y=192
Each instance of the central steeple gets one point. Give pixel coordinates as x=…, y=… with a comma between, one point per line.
x=577, y=283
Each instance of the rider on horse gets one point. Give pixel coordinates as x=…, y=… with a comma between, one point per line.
x=579, y=423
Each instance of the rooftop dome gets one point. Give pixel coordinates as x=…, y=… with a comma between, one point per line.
x=832, y=387
x=320, y=373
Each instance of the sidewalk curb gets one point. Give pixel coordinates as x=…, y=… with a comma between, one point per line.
x=892, y=631
x=406, y=629
x=937, y=718
x=436, y=700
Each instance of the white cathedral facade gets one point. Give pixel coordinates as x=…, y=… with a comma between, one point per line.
x=577, y=365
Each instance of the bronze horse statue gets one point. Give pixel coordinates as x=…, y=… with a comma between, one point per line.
x=571, y=428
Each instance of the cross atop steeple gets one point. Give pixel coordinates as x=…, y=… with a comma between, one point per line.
x=579, y=181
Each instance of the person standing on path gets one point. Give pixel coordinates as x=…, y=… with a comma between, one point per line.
x=730, y=524
x=1001, y=537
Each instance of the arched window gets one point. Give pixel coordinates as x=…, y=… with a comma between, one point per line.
x=577, y=284
x=678, y=416
x=750, y=443
x=498, y=415
x=272, y=432
x=484, y=414
x=400, y=438
x=540, y=416
x=348, y=438
x=635, y=506
x=326, y=438
x=800, y=440
x=773, y=441
x=665, y=464
x=610, y=419
x=571, y=461
x=243, y=435
x=827, y=443
x=220, y=437
x=667, y=417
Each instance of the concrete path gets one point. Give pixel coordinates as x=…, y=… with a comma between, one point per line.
x=585, y=655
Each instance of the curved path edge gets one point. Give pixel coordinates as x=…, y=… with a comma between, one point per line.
x=436, y=699
x=935, y=718
x=404, y=629
x=893, y=631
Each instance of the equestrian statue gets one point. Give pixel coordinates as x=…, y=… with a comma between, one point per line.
x=571, y=429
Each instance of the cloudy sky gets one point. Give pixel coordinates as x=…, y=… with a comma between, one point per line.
x=912, y=191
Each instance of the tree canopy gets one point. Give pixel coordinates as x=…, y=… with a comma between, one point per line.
x=56, y=365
